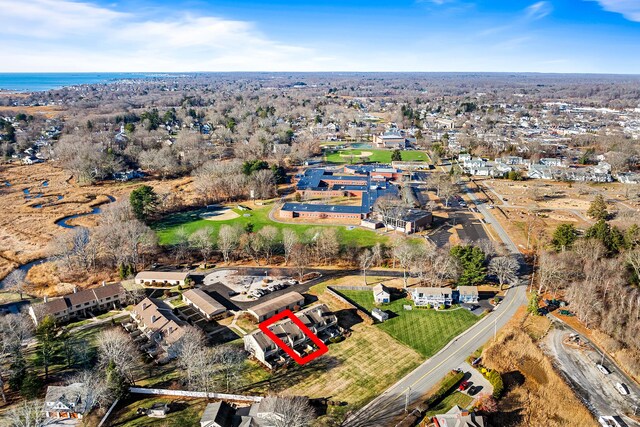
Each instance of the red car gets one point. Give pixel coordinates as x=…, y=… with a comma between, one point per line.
x=463, y=385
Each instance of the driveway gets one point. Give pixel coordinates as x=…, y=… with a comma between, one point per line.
x=477, y=380
x=577, y=361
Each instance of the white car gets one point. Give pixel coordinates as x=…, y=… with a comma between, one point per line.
x=622, y=389
x=602, y=369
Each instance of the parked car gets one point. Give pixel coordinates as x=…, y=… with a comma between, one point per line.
x=622, y=389
x=602, y=369
x=463, y=385
x=473, y=390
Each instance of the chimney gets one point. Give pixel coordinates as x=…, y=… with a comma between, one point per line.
x=75, y=289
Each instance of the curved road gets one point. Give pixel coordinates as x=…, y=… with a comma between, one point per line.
x=387, y=407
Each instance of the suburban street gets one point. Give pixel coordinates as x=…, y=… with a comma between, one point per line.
x=412, y=387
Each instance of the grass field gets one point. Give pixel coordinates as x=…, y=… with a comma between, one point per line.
x=426, y=331
x=377, y=156
x=191, y=221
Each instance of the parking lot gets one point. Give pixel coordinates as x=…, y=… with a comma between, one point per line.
x=246, y=288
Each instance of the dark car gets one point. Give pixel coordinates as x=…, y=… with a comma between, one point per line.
x=473, y=390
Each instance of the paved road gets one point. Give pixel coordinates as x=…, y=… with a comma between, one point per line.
x=386, y=407
x=596, y=390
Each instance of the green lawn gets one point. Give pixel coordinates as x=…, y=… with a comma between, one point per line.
x=186, y=412
x=377, y=156
x=449, y=401
x=426, y=331
x=191, y=221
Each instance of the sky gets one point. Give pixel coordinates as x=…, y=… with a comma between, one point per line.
x=559, y=36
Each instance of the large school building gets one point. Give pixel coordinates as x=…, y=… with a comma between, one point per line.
x=366, y=182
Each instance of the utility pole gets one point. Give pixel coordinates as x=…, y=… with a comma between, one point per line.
x=406, y=400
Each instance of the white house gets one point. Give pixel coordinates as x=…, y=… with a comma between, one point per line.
x=381, y=294
x=432, y=296
x=379, y=315
x=467, y=294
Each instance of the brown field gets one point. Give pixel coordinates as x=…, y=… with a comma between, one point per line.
x=25, y=231
x=535, y=394
x=558, y=203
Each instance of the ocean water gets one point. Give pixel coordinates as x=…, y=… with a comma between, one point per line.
x=35, y=82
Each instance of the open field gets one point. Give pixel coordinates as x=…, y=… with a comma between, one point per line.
x=535, y=392
x=27, y=223
x=373, y=156
x=259, y=217
x=426, y=331
x=546, y=204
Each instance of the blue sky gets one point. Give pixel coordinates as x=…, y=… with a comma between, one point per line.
x=583, y=36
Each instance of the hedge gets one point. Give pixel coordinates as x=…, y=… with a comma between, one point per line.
x=446, y=386
x=495, y=379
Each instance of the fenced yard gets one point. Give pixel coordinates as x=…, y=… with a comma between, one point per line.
x=426, y=331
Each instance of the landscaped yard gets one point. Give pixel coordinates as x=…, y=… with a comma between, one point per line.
x=353, y=371
x=426, y=331
x=449, y=401
x=259, y=217
x=376, y=156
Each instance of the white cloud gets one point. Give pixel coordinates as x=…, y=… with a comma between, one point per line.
x=63, y=35
x=539, y=10
x=630, y=9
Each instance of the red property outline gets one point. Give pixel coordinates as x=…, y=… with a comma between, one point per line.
x=322, y=348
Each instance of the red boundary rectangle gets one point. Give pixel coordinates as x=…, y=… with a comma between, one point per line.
x=322, y=348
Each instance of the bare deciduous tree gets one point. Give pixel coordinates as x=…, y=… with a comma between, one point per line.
x=289, y=241
x=366, y=260
x=28, y=414
x=289, y=411
x=202, y=240
x=505, y=268
x=228, y=240
x=114, y=345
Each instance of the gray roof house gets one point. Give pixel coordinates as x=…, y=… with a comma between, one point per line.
x=436, y=297
x=65, y=401
x=290, y=300
x=204, y=303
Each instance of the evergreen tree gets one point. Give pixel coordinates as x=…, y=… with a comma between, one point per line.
x=564, y=237
x=144, y=201
x=116, y=382
x=396, y=156
x=598, y=209
x=611, y=237
x=31, y=385
x=47, y=343
x=471, y=259
x=534, y=302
